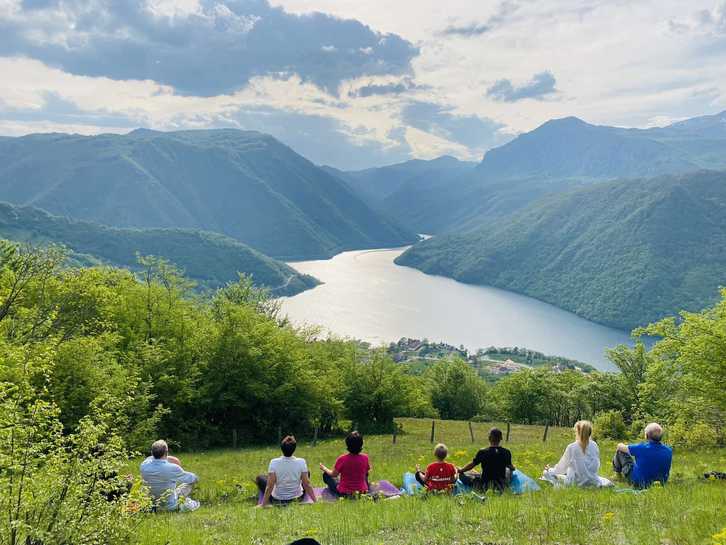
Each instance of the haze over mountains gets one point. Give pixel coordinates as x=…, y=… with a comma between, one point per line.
x=560, y=155
x=242, y=184
x=210, y=259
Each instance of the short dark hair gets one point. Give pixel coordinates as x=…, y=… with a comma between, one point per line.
x=354, y=442
x=495, y=435
x=288, y=445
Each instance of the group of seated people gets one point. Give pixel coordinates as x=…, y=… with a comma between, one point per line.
x=288, y=477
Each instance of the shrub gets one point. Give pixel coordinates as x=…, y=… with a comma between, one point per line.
x=610, y=424
x=692, y=434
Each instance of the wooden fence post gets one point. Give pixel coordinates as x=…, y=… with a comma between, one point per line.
x=508, y=428
x=395, y=432
x=433, y=429
x=547, y=428
x=471, y=431
x=315, y=435
x=234, y=439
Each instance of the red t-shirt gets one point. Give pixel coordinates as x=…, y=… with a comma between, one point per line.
x=353, y=469
x=440, y=475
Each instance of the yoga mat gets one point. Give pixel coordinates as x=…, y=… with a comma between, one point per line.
x=384, y=489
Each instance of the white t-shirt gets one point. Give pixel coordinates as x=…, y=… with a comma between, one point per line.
x=289, y=471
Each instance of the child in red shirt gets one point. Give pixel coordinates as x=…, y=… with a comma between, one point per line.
x=439, y=475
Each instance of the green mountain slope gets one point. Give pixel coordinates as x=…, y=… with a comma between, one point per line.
x=558, y=156
x=621, y=253
x=378, y=184
x=243, y=184
x=209, y=258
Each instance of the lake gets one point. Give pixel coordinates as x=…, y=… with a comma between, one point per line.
x=366, y=296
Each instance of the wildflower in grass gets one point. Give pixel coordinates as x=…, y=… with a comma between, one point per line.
x=719, y=538
x=608, y=517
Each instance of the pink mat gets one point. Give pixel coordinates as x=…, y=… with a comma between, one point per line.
x=384, y=489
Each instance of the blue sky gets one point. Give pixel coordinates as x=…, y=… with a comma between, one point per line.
x=357, y=83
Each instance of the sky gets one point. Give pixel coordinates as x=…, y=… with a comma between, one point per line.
x=358, y=83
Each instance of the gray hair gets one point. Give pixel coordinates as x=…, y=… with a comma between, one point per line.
x=653, y=431
x=159, y=449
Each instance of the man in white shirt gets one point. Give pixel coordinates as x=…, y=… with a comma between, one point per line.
x=167, y=481
x=288, y=478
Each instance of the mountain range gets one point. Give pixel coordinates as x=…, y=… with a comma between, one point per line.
x=242, y=184
x=558, y=156
x=210, y=259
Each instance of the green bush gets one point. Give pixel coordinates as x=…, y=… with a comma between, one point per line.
x=692, y=434
x=610, y=424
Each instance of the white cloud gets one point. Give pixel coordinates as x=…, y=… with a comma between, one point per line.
x=621, y=63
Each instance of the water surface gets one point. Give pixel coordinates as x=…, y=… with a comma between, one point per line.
x=366, y=296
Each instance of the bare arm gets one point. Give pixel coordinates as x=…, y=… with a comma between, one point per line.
x=307, y=487
x=332, y=472
x=467, y=467
x=271, y=480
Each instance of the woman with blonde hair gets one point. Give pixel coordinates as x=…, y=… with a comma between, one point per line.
x=580, y=462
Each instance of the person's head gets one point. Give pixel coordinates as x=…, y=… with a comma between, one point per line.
x=159, y=449
x=653, y=432
x=583, y=431
x=288, y=446
x=495, y=437
x=441, y=452
x=354, y=442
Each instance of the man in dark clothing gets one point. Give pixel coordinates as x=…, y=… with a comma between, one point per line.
x=496, y=466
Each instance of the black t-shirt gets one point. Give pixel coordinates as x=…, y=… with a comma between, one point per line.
x=494, y=463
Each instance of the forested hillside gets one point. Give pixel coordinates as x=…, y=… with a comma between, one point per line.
x=243, y=184
x=558, y=156
x=621, y=253
x=210, y=259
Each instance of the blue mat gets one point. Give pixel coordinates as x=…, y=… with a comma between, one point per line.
x=520, y=484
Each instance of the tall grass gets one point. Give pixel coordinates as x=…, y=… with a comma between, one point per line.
x=688, y=511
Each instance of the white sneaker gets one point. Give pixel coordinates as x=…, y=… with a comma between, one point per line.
x=188, y=505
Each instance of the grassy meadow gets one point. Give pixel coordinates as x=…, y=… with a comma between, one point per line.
x=688, y=511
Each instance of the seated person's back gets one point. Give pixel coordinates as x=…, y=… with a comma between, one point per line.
x=166, y=480
x=439, y=475
x=644, y=463
x=351, y=469
x=496, y=464
x=287, y=476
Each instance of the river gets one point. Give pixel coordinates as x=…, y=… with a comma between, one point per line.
x=366, y=296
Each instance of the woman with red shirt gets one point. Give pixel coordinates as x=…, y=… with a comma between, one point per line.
x=349, y=477
x=440, y=475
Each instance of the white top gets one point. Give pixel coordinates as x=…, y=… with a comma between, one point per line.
x=580, y=468
x=289, y=472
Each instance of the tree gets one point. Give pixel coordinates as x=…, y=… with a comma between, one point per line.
x=457, y=391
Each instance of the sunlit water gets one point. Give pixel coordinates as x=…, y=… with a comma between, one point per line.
x=366, y=296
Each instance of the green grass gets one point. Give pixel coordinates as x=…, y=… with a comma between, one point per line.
x=688, y=511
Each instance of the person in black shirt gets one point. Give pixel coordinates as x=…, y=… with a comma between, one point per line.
x=496, y=466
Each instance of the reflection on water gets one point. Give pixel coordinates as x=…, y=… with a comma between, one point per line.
x=366, y=296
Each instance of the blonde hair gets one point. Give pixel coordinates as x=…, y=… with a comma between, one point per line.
x=441, y=452
x=583, y=431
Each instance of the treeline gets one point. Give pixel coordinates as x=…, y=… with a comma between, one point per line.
x=158, y=359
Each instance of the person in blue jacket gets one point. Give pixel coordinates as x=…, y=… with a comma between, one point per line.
x=647, y=462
